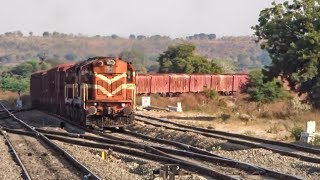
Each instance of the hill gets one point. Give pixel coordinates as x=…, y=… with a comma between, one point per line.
x=14, y=47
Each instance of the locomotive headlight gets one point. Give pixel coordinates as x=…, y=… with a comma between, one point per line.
x=92, y=110
x=100, y=63
x=110, y=62
x=123, y=104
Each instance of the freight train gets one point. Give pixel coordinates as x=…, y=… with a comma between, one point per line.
x=97, y=92
x=174, y=84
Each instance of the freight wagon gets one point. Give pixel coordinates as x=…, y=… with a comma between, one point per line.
x=172, y=84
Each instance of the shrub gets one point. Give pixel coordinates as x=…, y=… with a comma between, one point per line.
x=14, y=84
x=225, y=116
x=275, y=128
x=266, y=115
x=316, y=140
x=296, y=104
x=264, y=92
x=296, y=132
x=212, y=94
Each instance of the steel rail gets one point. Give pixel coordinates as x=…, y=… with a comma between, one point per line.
x=196, y=150
x=255, y=144
x=204, y=157
x=125, y=142
x=25, y=174
x=241, y=136
x=66, y=155
x=125, y=148
x=238, y=164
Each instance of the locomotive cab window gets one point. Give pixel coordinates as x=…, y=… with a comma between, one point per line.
x=129, y=75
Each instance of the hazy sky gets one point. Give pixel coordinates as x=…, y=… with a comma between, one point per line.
x=176, y=18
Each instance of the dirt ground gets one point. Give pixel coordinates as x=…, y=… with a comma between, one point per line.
x=236, y=114
x=271, y=129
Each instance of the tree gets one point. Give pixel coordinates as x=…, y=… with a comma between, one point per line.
x=290, y=32
x=182, y=59
x=46, y=34
x=139, y=60
x=114, y=36
x=141, y=37
x=27, y=68
x=14, y=84
x=71, y=56
x=244, y=61
x=132, y=36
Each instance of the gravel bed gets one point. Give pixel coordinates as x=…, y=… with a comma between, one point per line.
x=41, y=162
x=9, y=123
x=8, y=168
x=115, y=167
x=119, y=166
x=140, y=140
x=89, y=156
x=261, y=157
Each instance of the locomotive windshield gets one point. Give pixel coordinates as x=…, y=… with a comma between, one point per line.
x=129, y=75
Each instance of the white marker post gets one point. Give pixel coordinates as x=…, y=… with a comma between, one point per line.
x=309, y=133
x=146, y=101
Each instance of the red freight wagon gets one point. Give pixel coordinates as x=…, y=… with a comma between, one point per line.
x=52, y=75
x=143, y=84
x=179, y=83
x=160, y=83
x=36, y=87
x=215, y=82
x=198, y=83
x=61, y=81
x=239, y=81
x=222, y=83
x=44, y=90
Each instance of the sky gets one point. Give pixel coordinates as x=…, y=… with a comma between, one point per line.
x=174, y=18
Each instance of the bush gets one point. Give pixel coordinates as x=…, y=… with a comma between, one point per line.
x=225, y=116
x=264, y=92
x=212, y=94
x=296, y=104
x=316, y=140
x=296, y=132
x=14, y=84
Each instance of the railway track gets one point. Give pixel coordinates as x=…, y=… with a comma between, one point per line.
x=13, y=152
x=131, y=149
x=160, y=153
x=43, y=160
x=165, y=146
x=303, y=153
x=179, y=152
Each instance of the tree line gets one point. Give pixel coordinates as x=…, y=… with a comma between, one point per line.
x=16, y=48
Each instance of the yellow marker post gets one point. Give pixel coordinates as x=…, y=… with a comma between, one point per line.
x=103, y=155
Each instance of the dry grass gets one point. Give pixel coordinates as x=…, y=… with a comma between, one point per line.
x=12, y=96
x=275, y=120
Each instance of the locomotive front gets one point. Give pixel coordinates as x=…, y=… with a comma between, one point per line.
x=102, y=92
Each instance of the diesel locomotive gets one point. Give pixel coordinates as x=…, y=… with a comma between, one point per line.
x=97, y=92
